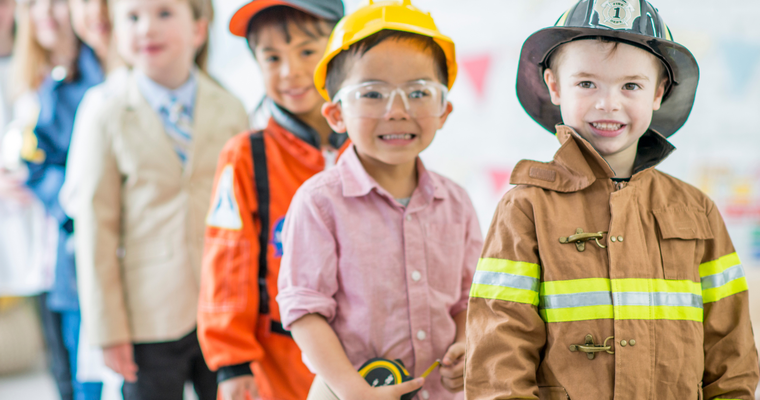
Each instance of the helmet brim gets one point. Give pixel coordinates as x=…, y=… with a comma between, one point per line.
x=534, y=94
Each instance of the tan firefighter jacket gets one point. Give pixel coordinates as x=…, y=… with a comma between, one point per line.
x=588, y=289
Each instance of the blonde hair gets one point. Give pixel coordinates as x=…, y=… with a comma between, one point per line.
x=30, y=60
x=200, y=9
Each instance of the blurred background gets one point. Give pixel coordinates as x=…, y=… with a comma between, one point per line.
x=718, y=148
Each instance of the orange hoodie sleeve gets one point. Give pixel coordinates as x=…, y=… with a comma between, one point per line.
x=731, y=361
x=229, y=294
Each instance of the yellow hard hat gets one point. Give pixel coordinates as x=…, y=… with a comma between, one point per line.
x=396, y=15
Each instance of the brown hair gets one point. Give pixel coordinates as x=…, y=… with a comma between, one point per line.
x=200, y=9
x=280, y=17
x=30, y=60
x=337, y=68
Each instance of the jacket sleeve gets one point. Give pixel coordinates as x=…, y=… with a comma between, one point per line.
x=505, y=333
x=229, y=296
x=731, y=361
x=98, y=206
x=45, y=180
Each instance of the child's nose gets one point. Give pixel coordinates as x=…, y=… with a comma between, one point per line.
x=609, y=101
x=397, y=107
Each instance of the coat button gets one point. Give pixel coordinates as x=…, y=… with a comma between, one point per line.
x=425, y=394
x=620, y=238
x=633, y=342
x=612, y=238
x=421, y=335
x=408, y=217
x=623, y=343
x=416, y=276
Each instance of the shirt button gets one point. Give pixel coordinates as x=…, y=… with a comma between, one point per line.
x=633, y=342
x=620, y=238
x=425, y=395
x=408, y=217
x=612, y=238
x=416, y=276
x=421, y=335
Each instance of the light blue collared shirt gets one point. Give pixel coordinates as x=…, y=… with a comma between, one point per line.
x=174, y=107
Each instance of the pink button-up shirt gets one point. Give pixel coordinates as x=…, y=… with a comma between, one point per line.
x=389, y=279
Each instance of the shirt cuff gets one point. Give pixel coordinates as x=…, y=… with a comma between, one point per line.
x=233, y=371
x=295, y=303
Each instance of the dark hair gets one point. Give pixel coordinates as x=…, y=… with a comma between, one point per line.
x=281, y=17
x=337, y=68
x=554, y=58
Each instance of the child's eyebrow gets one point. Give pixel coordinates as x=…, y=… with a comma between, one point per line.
x=625, y=78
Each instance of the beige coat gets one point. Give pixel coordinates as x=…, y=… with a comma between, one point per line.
x=140, y=217
x=657, y=289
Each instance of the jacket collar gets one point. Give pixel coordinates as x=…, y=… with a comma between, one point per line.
x=357, y=182
x=292, y=124
x=577, y=164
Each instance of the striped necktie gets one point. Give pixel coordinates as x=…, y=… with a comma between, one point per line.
x=178, y=123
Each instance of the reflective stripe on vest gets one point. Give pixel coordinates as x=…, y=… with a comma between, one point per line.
x=506, y=280
x=602, y=298
x=722, y=278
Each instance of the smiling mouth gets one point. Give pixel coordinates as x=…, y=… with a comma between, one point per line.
x=607, y=126
x=400, y=136
x=295, y=92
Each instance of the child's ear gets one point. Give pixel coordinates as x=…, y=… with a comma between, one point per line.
x=553, y=84
x=201, y=32
x=659, y=94
x=445, y=115
x=334, y=116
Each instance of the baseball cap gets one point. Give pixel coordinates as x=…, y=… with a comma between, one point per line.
x=331, y=10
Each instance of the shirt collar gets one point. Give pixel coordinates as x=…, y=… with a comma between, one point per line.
x=357, y=182
x=292, y=124
x=159, y=96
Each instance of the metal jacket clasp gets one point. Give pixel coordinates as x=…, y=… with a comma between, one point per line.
x=590, y=348
x=581, y=238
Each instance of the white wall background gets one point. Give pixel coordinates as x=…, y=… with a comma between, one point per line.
x=718, y=148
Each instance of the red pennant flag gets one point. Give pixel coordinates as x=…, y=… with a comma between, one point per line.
x=477, y=67
x=499, y=179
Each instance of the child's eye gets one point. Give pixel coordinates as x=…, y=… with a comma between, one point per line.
x=132, y=17
x=373, y=95
x=587, y=85
x=307, y=53
x=165, y=14
x=419, y=94
x=631, y=86
x=272, y=59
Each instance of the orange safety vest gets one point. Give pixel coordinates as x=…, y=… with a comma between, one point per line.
x=238, y=317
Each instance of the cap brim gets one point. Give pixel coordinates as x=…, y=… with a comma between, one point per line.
x=534, y=95
x=241, y=19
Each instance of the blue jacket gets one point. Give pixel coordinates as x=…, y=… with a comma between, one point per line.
x=58, y=104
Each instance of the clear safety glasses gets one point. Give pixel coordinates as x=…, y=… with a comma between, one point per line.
x=421, y=99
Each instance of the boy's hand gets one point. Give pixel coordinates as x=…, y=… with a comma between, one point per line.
x=120, y=358
x=452, y=370
x=392, y=392
x=239, y=388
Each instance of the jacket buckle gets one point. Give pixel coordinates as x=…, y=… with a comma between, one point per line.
x=591, y=349
x=581, y=238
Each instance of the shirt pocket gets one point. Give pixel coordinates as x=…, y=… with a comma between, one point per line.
x=682, y=235
x=444, y=247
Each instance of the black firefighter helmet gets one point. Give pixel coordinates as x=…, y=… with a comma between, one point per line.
x=634, y=22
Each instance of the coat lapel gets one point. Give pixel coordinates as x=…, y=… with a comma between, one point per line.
x=206, y=112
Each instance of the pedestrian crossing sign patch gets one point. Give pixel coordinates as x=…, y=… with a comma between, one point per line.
x=225, y=212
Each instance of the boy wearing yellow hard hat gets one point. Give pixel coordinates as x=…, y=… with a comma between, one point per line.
x=379, y=252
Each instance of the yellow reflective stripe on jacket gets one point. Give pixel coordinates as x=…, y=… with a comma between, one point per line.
x=722, y=278
x=601, y=298
x=507, y=280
